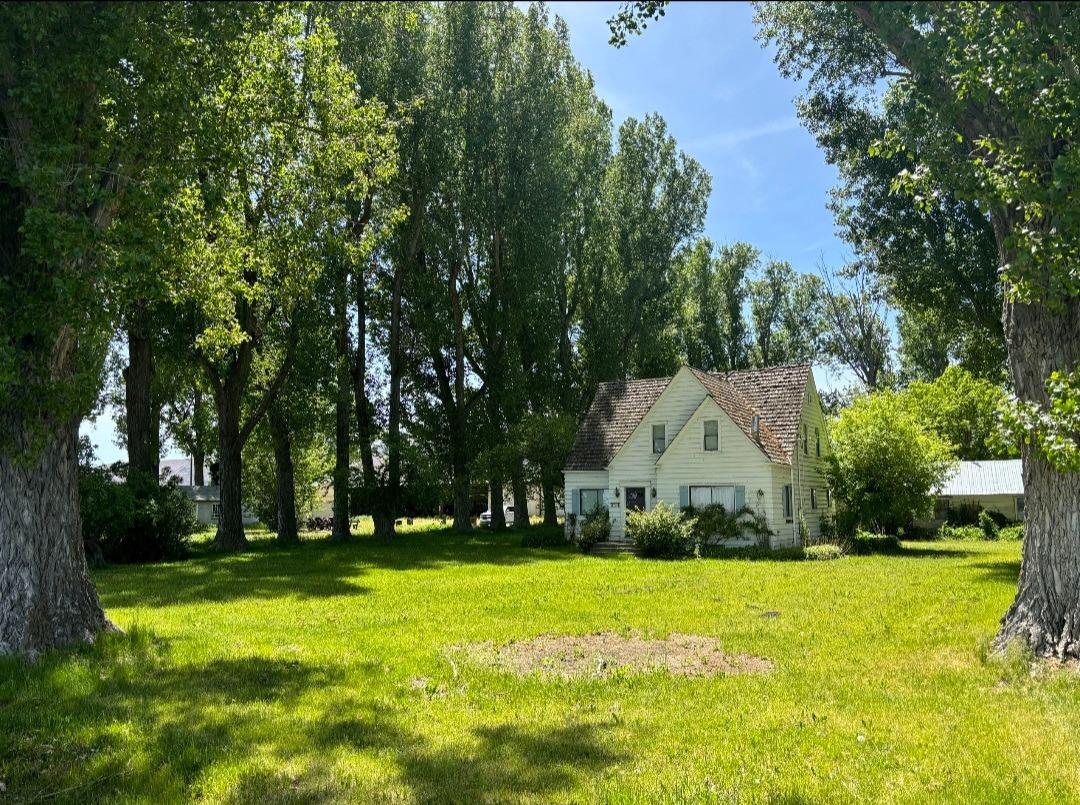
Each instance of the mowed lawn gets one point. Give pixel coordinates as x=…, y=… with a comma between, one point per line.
x=332, y=674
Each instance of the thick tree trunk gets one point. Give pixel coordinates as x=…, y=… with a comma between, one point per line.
x=230, y=533
x=141, y=423
x=551, y=514
x=343, y=408
x=1046, y=612
x=198, y=465
x=285, y=477
x=521, y=494
x=47, y=599
x=498, y=513
x=462, y=496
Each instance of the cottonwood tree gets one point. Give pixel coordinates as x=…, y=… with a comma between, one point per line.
x=856, y=334
x=785, y=315
x=990, y=116
x=92, y=99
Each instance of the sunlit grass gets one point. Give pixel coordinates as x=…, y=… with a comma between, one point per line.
x=325, y=673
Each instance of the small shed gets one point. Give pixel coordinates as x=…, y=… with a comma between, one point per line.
x=991, y=485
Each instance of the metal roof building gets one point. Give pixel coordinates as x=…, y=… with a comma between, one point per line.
x=981, y=478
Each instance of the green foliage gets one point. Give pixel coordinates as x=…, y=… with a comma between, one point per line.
x=965, y=411
x=965, y=533
x=661, y=532
x=595, y=527
x=715, y=523
x=864, y=543
x=1011, y=533
x=312, y=465
x=133, y=521
x=989, y=526
x=823, y=551
x=884, y=463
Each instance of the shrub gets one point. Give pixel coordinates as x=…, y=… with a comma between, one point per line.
x=823, y=551
x=596, y=528
x=884, y=463
x=966, y=533
x=133, y=521
x=1011, y=533
x=963, y=514
x=662, y=532
x=988, y=525
x=864, y=543
x=714, y=522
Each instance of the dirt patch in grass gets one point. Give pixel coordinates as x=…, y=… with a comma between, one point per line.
x=608, y=653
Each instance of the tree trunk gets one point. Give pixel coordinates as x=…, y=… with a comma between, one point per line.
x=521, y=494
x=1046, y=612
x=198, y=464
x=230, y=533
x=47, y=599
x=551, y=514
x=462, y=492
x=283, y=471
x=498, y=514
x=341, y=531
x=138, y=377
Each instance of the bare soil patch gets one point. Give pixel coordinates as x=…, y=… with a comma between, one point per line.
x=607, y=653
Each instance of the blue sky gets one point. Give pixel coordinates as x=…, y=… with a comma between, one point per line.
x=727, y=106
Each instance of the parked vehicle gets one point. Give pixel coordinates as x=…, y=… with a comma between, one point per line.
x=508, y=515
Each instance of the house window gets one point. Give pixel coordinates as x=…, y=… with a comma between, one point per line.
x=817, y=441
x=805, y=441
x=659, y=442
x=813, y=498
x=828, y=498
x=1020, y=508
x=789, y=504
x=712, y=435
x=591, y=500
x=701, y=496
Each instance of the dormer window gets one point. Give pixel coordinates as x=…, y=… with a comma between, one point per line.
x=817, y=441
x=659, y=439
x=805, y=440
x=755, y=426
x=712, y=435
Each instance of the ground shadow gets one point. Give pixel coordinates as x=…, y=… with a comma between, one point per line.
x=1007, y=571
x=120, y=719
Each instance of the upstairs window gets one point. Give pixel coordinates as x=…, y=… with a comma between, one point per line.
x=712, y=435
x=659, y=440
x=813, y=498
x=789, y=504
x=805, y=440
x=817, y=441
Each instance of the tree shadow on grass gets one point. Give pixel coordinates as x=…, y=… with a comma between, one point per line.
x=122, y=720
x=1006, y=571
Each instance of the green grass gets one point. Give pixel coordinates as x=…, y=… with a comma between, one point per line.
x=327, y=673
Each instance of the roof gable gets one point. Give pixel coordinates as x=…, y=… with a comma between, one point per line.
x=775, y=394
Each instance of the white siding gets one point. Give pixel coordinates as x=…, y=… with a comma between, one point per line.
x=635, y=464
x=809, y=467
x=738, y=462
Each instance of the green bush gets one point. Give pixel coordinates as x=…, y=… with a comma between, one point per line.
x=988, y=525
x=595, y=528
x=715, y=523
x=966, y=533
x=864, y=543
x=823, y=551
x=662, y=532
x=1011, y=533
x=133, y=521
x=963, y=514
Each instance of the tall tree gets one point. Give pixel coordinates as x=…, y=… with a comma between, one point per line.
x=91, y=99
x=856, y=335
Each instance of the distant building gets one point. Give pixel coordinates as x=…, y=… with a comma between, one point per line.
x=179, y=468
x=992, y=485
x=207, y=500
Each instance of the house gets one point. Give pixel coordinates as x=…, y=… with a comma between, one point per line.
x=755, y=437
x=207, y=500
x=992, y=485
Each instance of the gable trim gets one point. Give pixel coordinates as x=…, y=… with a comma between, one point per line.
x=650, y=409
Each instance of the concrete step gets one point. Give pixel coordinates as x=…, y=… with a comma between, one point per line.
x=613, y=547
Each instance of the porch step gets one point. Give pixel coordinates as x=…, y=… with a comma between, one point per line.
x=613, y=547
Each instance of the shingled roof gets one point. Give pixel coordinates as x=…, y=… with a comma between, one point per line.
x=775, y=394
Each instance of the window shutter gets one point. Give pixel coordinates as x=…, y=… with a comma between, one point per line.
x=740, y=497
x=573, y=500
x=684, y=497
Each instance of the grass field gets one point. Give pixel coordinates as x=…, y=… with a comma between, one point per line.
x=328, y=673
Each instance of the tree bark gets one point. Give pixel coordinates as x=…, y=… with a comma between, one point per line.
x=47, y=599
x=230, y=533
x=551, y=514
x=198, y=465
x=284, y=475
x=343, y=407
x=521, y=494
x=1046, y=611
x=498, y=514
x=141, y=424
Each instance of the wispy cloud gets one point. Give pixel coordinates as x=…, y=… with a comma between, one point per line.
x=722, y=140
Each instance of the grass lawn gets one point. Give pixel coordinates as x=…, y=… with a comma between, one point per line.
x=327, y=673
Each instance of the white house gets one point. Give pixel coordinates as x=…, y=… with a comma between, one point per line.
x=754, y=437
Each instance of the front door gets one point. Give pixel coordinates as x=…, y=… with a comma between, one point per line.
x=635, y=498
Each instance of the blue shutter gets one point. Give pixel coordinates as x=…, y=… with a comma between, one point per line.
x=740, y=497
x=684, y=497
x=573, y=500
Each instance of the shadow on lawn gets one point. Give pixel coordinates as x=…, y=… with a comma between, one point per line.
x=118, y=719
x=316, y=568
x=1007, y=571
